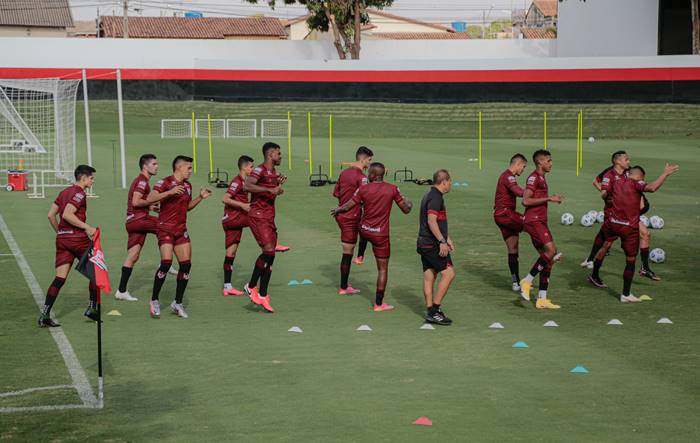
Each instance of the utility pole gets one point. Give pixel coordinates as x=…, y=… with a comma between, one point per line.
x=126, y=18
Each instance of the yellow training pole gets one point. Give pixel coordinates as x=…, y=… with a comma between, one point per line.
x=194, y=145
x=308, y=120
x=480, y=143
x=330, y=145
x=211, y=159
x=578, y=132
x=580, y=141
x=289, y=140
x=545, y=129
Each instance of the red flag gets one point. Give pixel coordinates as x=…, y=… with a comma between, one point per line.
x=98, y=259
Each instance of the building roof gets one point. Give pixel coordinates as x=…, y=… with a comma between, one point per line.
x=36, y=13
x=421, y=35
x=193, y=27
x=530, y=33
x=408, y=20
x=548, y=8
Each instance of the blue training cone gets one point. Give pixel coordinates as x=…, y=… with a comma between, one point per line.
x=292, y=283
x=579, y=370
x=306, y=281
x=520, y=344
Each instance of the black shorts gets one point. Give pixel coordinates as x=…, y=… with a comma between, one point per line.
x=430, y=257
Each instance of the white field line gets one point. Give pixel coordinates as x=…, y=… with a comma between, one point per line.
x=77, y=373
x=30, y=390
x=44, y=408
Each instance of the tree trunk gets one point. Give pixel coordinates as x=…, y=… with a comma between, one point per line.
x=355, y=52
x=336, y=34
x=695, y=11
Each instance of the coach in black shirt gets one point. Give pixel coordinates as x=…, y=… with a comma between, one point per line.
x=434, y=246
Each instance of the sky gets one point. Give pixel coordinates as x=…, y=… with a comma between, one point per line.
x=435, y=11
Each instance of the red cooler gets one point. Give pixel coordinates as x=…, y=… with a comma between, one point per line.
x=16, y=180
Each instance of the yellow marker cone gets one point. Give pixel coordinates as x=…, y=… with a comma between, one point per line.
x=114, y=312
x=645, y=298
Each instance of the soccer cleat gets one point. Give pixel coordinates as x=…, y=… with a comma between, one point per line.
x=545, y=303
x=253, y=294
x=91, y=313
x=359, y=260
x=648, y=273
x=265, y=303
x=587, y=264
x=124, y=296
x=525, y=287
x=557, y=257
x=597, y=282
x=447, y=319
x=629, y=299
x=516, y=287
x=172, y=270
x=178, y=309
x=232, y=291
x=383, y=307
x=348, y=291
x=154, y=308
x=281, y=248
x=438, y=318
x=45, y=321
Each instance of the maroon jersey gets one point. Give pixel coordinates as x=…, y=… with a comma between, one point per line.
x=538, y=185
x=262, y=204
x=140, y=185
x=607, y=179
x=348, y=182
x=507, y=190
x=173, y=210
x=235, y=190
x=75, y=196
x=377, y=199
x=626, y=201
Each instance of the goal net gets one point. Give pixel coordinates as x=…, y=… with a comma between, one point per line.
x=176, y=128
x=37, y=126
x=218, y=128
x=273, y=128
x=241, y=128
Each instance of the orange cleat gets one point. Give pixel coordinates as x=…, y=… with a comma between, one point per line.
x=265, y=303
x=281, y=248
x=232, y=291
x=348, y=291
x=253, y=294
x=383, y=307
x=359, y=260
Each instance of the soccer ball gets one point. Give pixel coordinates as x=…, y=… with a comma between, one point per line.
x=656, y=222
x=567, y=219
x=593, y=213
x=587, y=220
x=601, y=217
x=644, y=220
x=657, y=255
x=591, y=140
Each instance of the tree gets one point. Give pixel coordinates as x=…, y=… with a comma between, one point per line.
x=344, y=18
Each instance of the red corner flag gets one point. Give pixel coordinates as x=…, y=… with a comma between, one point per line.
x=93, y=266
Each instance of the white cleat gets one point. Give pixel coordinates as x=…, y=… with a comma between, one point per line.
x=629, y=299
x=516, y=287
x=587, y=264
x=154, y=308
x=178, y=309
x=124, y=296
x=172, y=270
x=557, y=257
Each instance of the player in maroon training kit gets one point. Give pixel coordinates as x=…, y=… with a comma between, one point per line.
x=236, y=208
x=349, y=222
x=67, y=217
x=172, y=231
x=139, y=222
x=535, y=200
x=510, y=221
x=376, y=198
x=626, y=195
x=265, y=184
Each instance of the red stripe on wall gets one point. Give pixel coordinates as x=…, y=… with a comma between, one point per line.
x=455, y=76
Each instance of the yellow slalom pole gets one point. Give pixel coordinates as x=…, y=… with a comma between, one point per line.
x=330, y=145
x=194, y=145
x=580, y=142
x=578, y=132
x=545, y=129
x=289, y=140
x=480, y=142
x=308, y=120
x=211, y=153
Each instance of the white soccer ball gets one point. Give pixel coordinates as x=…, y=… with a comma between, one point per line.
x=593, y=213
x=643, y=219
x=657, y=255
x=601, y=217
x=587, y=220
x=567, y=219
x=591, y=140
x=656, y=222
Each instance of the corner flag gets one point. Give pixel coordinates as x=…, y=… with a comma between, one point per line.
x=93, y=266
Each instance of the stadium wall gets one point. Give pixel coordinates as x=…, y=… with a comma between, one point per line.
x=414, y=71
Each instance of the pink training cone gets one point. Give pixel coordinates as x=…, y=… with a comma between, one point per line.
x=423, y=421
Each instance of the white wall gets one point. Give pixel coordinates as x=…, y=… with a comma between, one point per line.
x=596, y=28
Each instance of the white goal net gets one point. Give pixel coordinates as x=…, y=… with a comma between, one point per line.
x=218, y=128
x=176, y=128
x=37, y=126
x=275, y=128
x=241, y=128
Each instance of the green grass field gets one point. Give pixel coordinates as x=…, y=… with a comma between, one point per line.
x=232, y=373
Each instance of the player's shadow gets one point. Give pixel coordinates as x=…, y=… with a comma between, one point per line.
x=577, y=278
x=497, y=279
x=409, y=297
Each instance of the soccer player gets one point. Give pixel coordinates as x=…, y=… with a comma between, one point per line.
x=139, y=222
x=265, y=184
x=172, y=231
x=236, y=208
x=434, y=246
x=510, y=221
x=67, y=217
x=626, y=194
x=348, y=182
x=535, y=199
x=376, y=197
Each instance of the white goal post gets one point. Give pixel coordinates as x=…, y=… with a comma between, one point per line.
x=176, y=128
x=275, y=128
x=218, y=128
x=241, y=128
